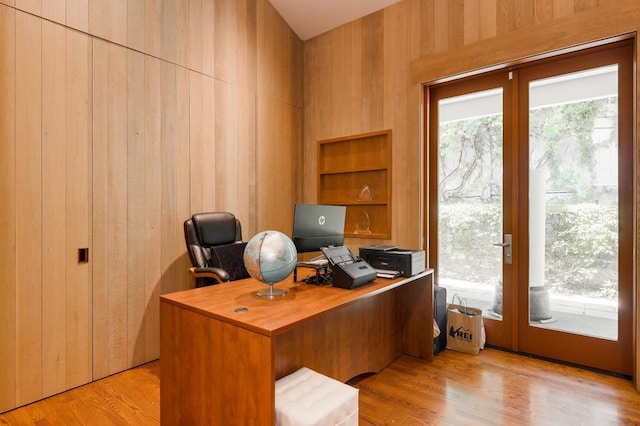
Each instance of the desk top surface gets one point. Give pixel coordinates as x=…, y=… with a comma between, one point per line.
x=237, y=302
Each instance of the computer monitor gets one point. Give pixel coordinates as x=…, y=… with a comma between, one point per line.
x=316, y=226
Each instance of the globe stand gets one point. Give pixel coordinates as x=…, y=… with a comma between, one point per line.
x=271, y=293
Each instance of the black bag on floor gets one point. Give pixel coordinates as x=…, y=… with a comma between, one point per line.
x=440, y=315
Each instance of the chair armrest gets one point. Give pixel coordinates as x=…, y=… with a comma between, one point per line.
x=218, y=274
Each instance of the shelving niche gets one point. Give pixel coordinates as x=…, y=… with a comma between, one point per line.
x=355, y=171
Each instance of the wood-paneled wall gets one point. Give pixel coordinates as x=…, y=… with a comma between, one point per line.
x=365, y=75
x=118, y=120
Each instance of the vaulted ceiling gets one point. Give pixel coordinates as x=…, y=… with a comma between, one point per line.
x=309, y=18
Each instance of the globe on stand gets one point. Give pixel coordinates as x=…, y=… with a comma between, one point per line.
x=270, y=257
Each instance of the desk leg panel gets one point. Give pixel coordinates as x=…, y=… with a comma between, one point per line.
x=199, y=358
x=418, y=313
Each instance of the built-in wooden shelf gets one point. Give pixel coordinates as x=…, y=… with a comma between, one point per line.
x=355, y=171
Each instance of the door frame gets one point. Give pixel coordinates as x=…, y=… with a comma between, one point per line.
x=456, y=64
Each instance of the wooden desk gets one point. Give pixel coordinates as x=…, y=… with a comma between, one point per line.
x=219, y=366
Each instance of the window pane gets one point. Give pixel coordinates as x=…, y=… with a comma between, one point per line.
x=573, y=203
x=470, y=162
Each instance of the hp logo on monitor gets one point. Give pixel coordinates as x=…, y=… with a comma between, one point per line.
x=322, y=220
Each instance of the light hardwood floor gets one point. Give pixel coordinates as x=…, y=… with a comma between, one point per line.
x=493, y=388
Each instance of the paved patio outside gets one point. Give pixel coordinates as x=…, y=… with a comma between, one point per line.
x=574, y=314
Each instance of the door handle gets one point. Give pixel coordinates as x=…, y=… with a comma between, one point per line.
x=507, y=248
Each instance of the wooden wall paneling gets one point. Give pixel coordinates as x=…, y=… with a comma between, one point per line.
x=8, y=2
x=324, y=93
x=33, y=7
x=148, y=335
x=342, y=103
x=196, y=162
x=109, y=20
x=194, y=47
x=505, y=20
x=279, y=57
x=224, y=155
x=372, y=72
x=307, y=156
x=426, y=18
x=456, y=23
x=100, y=208
x=487, y=16
x=237, y=175
x=244, y=48
x=414, y=27
x=357, y=62
x=53, y=207
x=110, y=208
x=405, y=170
x=117, y=207
x=168, y=34
x=118, y=22
x=543, y=10
x=279, y=118
x=228, y=26
x=524, y=14
x=8, y=213
x=170, y=247
x=267, y=81
x=77, y=15
x=246, y=171
x=137, y=246
x=153, y=25
x=182, y=32
x=183, y=189
x=98, y=14
x=209, y=156
x=563, y=8
x=78, y=208
x=28, y=107
x=471, y=21
x=441, y=26
x=209, y=20
x=317, y=107
x=581, y=5
x=233, y=176
x=278, y=125
x=55, y=10
x=136, y=24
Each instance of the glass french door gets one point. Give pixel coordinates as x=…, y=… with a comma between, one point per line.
x=472, y=197
x=576, y=125
x=531, y=204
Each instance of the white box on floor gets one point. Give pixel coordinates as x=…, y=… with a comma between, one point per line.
x=308, y=398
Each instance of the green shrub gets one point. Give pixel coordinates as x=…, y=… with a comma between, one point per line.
x=581, y=246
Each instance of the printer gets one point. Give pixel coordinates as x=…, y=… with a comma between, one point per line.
x=407, y=262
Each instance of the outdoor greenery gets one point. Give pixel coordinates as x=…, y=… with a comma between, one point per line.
x=581, y=236
x=581, y=246
x=582, y=249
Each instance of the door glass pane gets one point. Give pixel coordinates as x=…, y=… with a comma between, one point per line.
x=573, y=203
x=470, y=162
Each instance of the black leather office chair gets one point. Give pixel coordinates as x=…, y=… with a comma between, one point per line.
x=215, y=247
